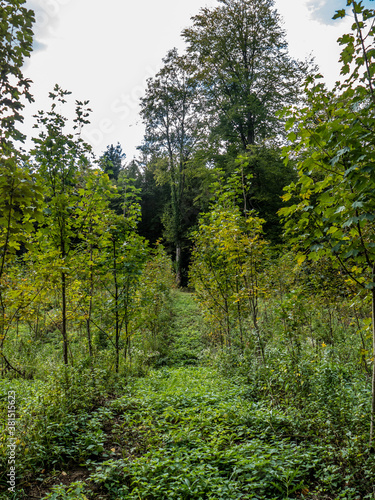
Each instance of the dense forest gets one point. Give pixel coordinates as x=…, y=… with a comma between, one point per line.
x=198, y=323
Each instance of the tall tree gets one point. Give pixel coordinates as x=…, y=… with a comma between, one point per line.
x=333, y=138
x=20, y=198
x=62, y=159
x=125, y=257
x=112, y=160
x=242, y=60
x=264, y=175
x=16, y=38
x=154, y=199
x=170, y=111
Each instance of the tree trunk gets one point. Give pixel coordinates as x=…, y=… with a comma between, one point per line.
x=178, y=265
x=127, y=339
x=88, y=321
x=2, y=334
x=252, y=296
x=373, y=363
x=227, y=323
x=117, y=321
x=63, y=322
x=2, y=321
x=239, y=314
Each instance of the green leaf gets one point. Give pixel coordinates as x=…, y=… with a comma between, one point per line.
x=340, y=209
x=337, y=247
x=316, y=247
x=339, y=154
x=357, y=204
x=339, y=14
x=366, y=216
x=352, y=253
x=350, y=221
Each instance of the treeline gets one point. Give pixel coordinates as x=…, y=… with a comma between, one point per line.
x=70, y=262
x=75, y=229
x=212, y=111
x=71, y=258
x=229, y=124
x=255, y=186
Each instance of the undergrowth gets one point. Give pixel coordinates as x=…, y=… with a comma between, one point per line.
x=210, y=424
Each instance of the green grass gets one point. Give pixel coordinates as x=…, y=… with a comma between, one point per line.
x=187, y=327
x=205, y=440
x=187, y=431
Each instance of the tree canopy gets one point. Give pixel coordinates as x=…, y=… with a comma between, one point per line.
x=241, y=57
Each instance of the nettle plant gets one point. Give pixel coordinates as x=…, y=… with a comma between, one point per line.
x=332, y=138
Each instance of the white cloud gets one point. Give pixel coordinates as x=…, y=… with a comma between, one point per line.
x=323, y=10
x=47, y=17
x=307, y=35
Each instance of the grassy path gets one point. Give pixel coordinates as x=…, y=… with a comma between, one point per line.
x=187, y=329
x=198, y=437
x=185, y=432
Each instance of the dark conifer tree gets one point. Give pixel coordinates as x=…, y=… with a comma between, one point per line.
x=112, y=161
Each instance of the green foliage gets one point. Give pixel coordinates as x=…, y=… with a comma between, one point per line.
x=276, y=403
x=74, y=492
x=333, y=139
x=111, y=161
x=207, y=442
x=170, y=111
x=126, y=257
x=16, y=38
x=154, y=199
x=154, y=309
x=225, y=269
x=204, y=438
x=240, y=54
x=56, y=418
x=188, y=332
x=264, y=177
x=321, y=402
x=74, y=207
x=20, y=198
x=21, y=204
x=294, y=425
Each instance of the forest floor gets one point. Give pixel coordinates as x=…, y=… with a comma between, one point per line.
x=187, y=432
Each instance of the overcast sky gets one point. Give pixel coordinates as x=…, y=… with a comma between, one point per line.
x=105, y=51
